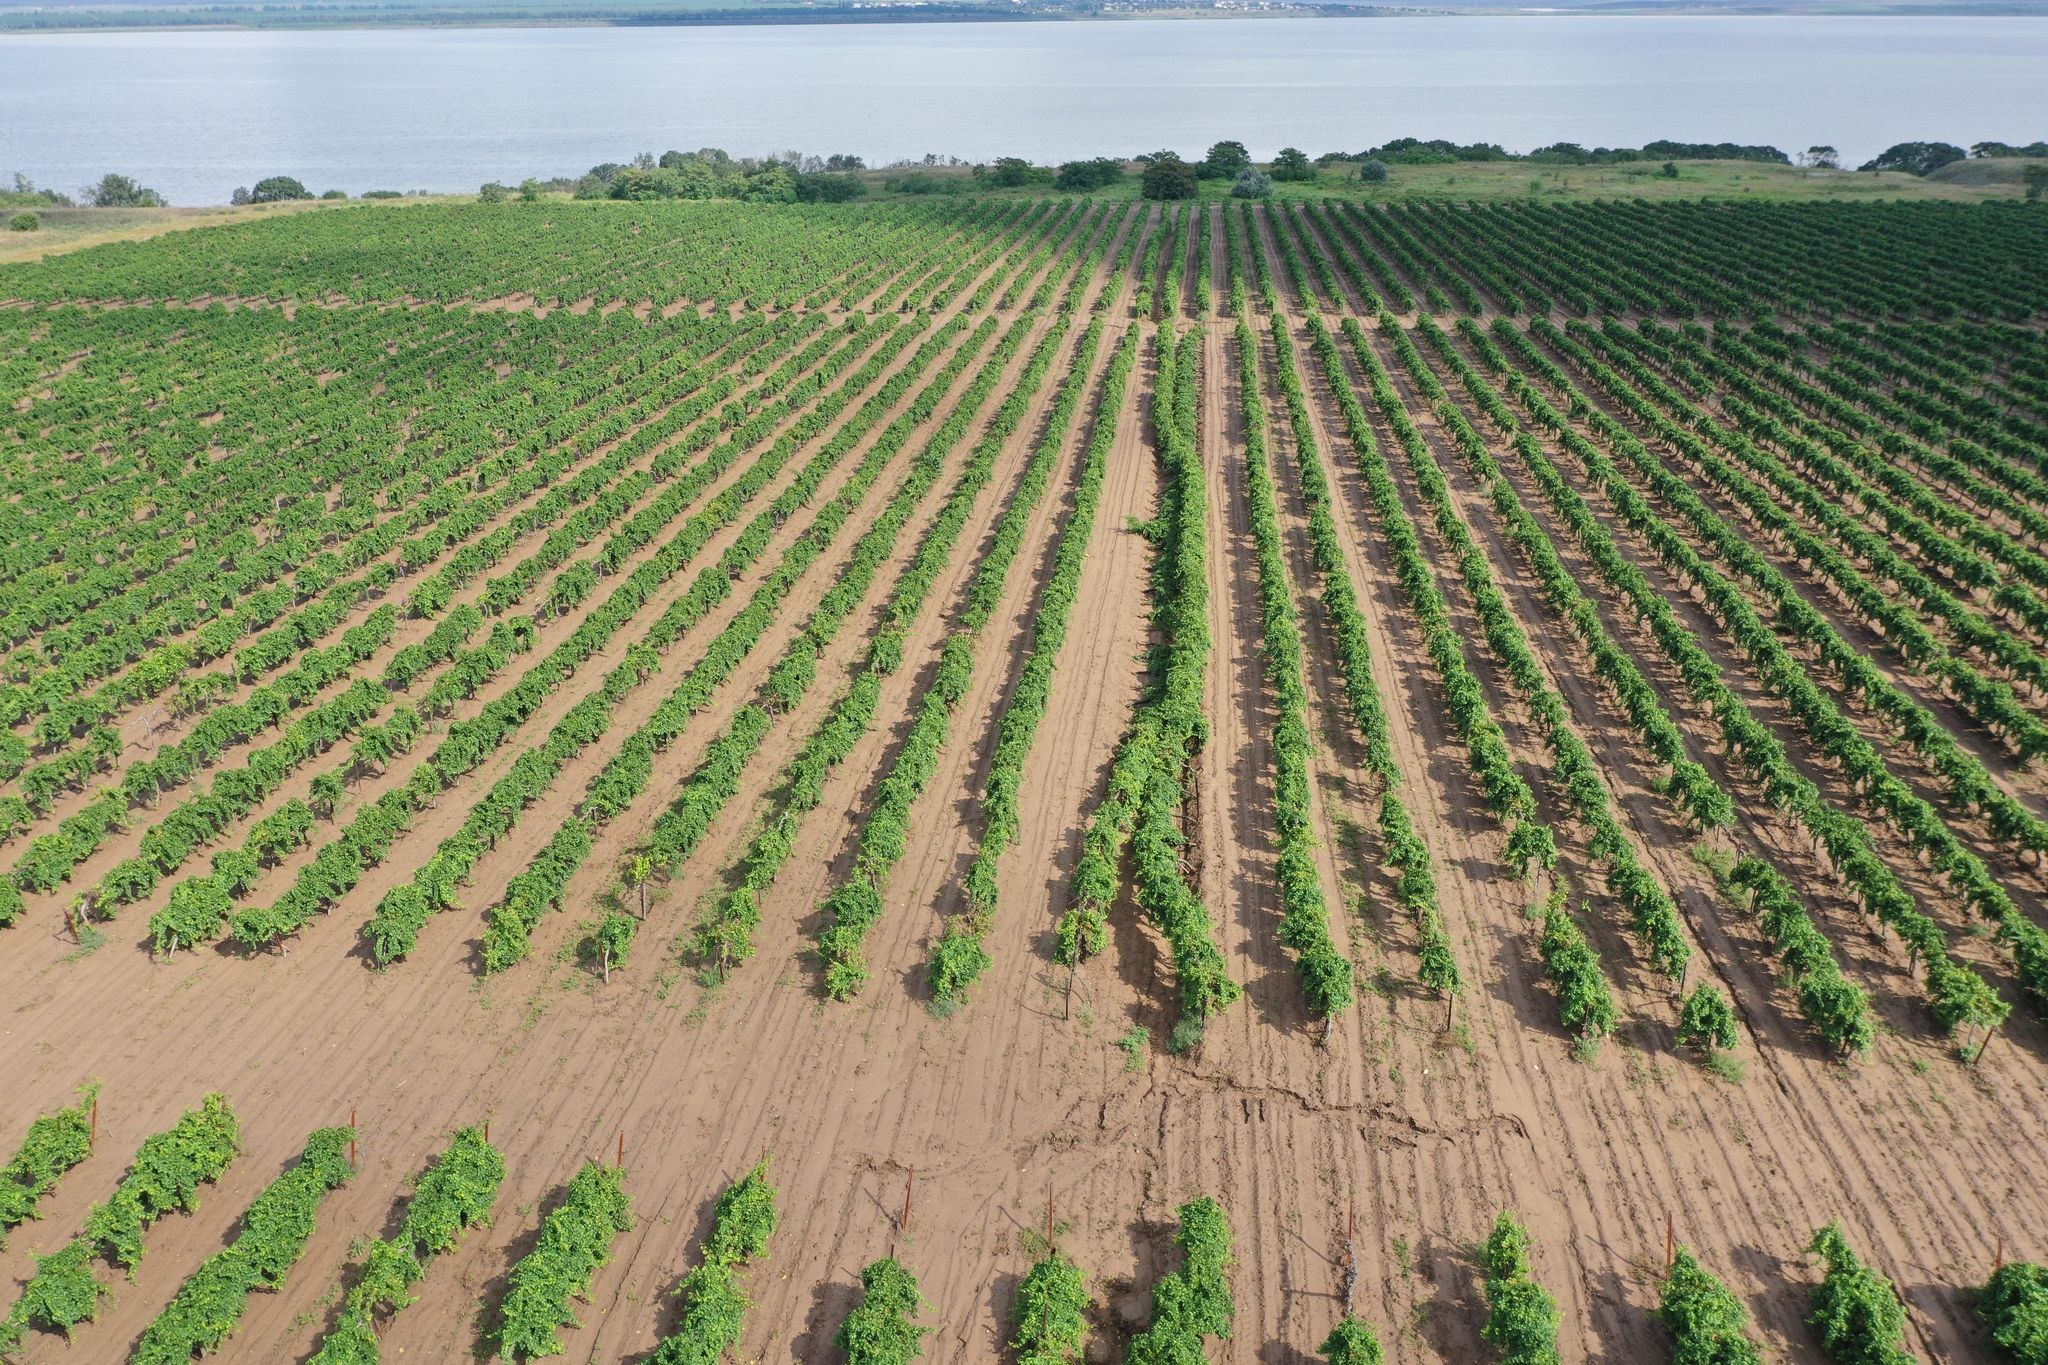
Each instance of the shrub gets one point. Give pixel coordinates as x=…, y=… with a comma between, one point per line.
x=1373, y=170
x=1352, y=1343
x=1858, y=1312
x=1521, y=1315
x=1251, y=184
x=2014, y=1305
x=1292, y=163
x=1170, y=178
x=121, y=192
x=491, y=193
x=25, y=221
x=276, y=189
x=1707, y=1019
x=1099, y=173
x=1707, y=1321
x=880, y=1331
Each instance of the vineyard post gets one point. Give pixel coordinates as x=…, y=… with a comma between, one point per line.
x=487, y=1132
x=351, y=1138
x=1983, y=1047
x=95, y=1144
x=622, y=1149
x=2000, y=1263
x=1670, y=1242
x=908, y=1186
x=1350, y=1258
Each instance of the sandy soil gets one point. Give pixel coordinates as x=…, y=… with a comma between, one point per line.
x=1021, y=1098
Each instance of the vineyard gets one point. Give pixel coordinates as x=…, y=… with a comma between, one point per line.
x=1041, y=780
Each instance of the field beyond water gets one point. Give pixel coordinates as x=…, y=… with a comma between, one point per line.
x=652, y=758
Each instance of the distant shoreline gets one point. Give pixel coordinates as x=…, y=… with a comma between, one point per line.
x=327, y=17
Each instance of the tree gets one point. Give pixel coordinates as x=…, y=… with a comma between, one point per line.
x=1224, y=161
x=1914, y=158
x=121, y=192
x=334, y=194
x=1373, y=171
x=843, y=162
x=1292, y=163
x=2035, y=178
x=1821, y=159
x=530, y=190
x=1169, y=177
x=276, y=189
x=492, y=193
x=1009, y=172
x=1251, y=184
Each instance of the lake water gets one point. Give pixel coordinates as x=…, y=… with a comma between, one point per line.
x=196, y=114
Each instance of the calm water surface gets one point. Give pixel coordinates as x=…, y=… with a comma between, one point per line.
x=195, y=114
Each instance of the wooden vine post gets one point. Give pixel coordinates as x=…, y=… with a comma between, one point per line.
x=908, y=1185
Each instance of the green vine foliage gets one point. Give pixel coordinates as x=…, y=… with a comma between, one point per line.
x=574, y=1241
x=959, y=958
x=1836, y=1006
x=856, y=905
x=714, y=1308
x=1575, y=774
x=274, y=1235
x=1353, y=1342
x=1858, y=1311
x=166, y=1175
x=1194, y=1301
x=1708, y=1323
x=1051, y=1316
x=1305, y=920
x=1707, y=1020
x=2014, y=1305
x=725, y=934
x=880, y=1330
x=451, y=1196
x=1146, y=793
x=1960, y=997
x=1584, y=1001
x=1521, y=1315
x=54, y=1144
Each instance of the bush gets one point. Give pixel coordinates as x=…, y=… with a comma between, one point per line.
x=1858, y=1312
x=880, y=1330
x=1707, y=1020
x=1251, y=184
x=277, y=189
x=25, y=221
x=120, y=192
x=383, y=194
x=1373, y=171
x=1168, y=177
x=2014, y=1305
x=1011, y=172
x=1914, y=158
x=334, y=194
x=1353, y=1343
x=1292, y=163
x=918, y=182
x=1521, y=1315
x=1707, y=1321
x=491, y=193
x=829, y=189
x=1082, y=176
